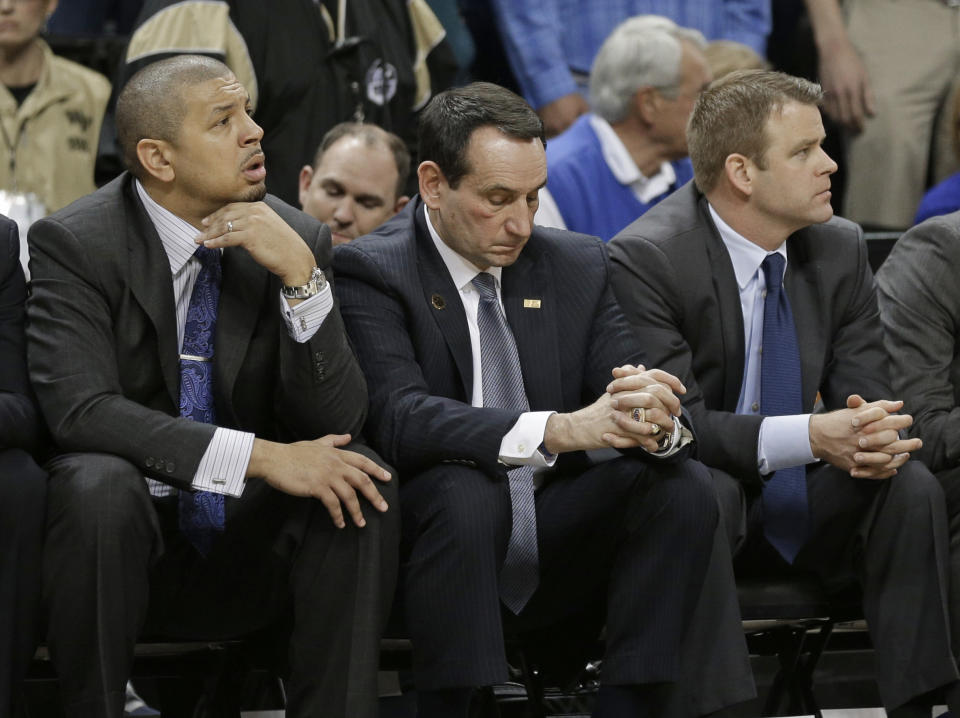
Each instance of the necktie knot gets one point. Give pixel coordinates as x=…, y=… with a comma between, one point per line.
x=773, y=265
x=207, y=256
x=486, y=286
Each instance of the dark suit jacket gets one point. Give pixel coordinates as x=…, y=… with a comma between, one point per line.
x=407, y=322
x=103, y=349
x=19, y=421
x=920, y=309
x=675, y=281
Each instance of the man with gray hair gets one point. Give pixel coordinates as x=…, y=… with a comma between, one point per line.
x=614, y=164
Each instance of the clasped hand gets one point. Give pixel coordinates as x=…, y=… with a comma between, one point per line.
x=863, y=439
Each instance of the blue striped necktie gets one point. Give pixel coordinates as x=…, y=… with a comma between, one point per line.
x=503, y=389
x=201, y=512
x=785, y=512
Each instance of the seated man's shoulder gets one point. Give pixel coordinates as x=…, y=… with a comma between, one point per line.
x=838, y=240
x=668, y=224
x=389, y=251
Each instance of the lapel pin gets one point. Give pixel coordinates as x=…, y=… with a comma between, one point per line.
x=531, y=303
x=438, y=302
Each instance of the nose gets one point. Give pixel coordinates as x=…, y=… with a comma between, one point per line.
x=344, y=212
x=829, y=166
x=520, y=220
x=252, y=132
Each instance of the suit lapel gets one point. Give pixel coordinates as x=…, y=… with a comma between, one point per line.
x=152, y=286
x=534, y=326
x=241, y=293
x=443, y=300
x=731, y=313
x=809, y=315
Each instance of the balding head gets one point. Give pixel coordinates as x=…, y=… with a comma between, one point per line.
x=151, y=104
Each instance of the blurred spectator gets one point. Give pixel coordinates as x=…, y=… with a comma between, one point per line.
x=945, y=197
x=551, y=44
x=726, y=56
x=50, y=112
x=94, y=17
x=356, y=181
x=307, y=65
x=612, y=165
x=458, y=35
x=887, y=68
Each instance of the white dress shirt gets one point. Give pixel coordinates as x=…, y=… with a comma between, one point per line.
x=224, y=464
x=624, y=169
x=784, y=440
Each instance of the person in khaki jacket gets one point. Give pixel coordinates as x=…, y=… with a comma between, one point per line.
x=51, y=110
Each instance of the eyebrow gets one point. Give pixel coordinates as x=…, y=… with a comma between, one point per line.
x=806, y=142
x=511, y=190
x=330, y=182
x=219, y=109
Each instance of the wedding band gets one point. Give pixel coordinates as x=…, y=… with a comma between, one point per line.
x=639, y=414
x=655, y=430
x=229, y=226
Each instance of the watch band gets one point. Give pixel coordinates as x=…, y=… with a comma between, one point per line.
x=304, y=291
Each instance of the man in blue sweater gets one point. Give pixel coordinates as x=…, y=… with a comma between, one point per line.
x=612, y=165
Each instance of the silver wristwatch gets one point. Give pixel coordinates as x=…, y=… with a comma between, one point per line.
x=305, y=291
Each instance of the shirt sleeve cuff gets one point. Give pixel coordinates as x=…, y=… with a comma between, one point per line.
x=521, y=445
x=305, y=318
x=224, y=464
x=784, y=442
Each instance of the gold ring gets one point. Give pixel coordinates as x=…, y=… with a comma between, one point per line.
x=639, y=414
x=655, y=429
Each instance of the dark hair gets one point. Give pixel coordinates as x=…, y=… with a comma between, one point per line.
x=372, y=135
x=731, y=117
x=151, y=106
x=448, y=122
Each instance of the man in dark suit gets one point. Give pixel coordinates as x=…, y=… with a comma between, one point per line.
x=23, y=485
x=702, y=277
x=140, y=538
x=486, y=343
x=920, y=311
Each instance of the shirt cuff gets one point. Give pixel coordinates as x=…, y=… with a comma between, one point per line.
x=784, y=442
x=224, y=464
x=305, y=318
x=680, y=437
x=521, y=445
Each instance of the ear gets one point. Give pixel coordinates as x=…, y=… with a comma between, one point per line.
x=401, y=203
x=739, y=171
x=431, y=182
x=306, y=175
x=154, y=156
x=646, y=102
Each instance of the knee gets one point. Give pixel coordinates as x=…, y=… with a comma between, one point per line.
x=466, y=508
x=687, y=490
x=22, y=482
x=97, y=494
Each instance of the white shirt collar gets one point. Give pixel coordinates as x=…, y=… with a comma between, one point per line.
x=745, y=255
x=623, y=167
x=462, y=270
x=176, y=234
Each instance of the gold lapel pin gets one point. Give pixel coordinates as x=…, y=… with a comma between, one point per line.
x=438, y=302
x=531, y=303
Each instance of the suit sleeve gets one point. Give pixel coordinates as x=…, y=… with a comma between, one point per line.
x=73, y=365
x=19, y=421
x=856, y=361
x=412, y=428
x=648, y=288
x=920, y=310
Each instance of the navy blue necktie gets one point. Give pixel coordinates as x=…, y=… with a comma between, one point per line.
x=503, y=389
x=785, y=511
x=201, y=512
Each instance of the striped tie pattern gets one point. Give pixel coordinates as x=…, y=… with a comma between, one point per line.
x=503, y=389
x=785, y=511
x=201, y=512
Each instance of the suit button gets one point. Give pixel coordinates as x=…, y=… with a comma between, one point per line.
x=755, y=406
x=149, y=462
x=170, y=467
x=318, y=356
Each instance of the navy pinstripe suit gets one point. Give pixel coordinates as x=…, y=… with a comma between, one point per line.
x=634, y=534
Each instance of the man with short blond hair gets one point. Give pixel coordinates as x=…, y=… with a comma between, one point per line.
x=747, y=287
